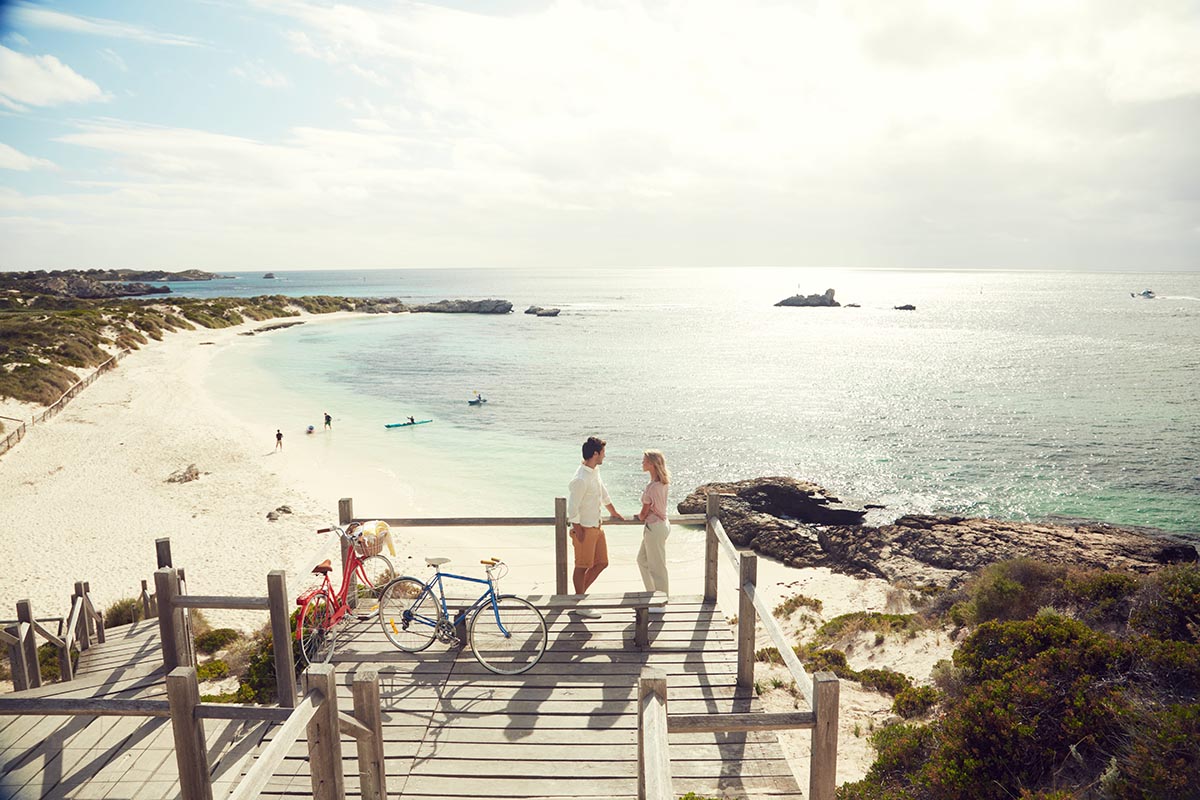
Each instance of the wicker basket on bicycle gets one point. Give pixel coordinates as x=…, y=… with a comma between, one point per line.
x=375, y=535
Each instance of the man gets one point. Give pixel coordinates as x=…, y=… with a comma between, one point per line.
x=328, y=421
x=278, y=439
x=586, y=496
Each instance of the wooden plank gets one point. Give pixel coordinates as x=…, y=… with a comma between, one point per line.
x=799, y=675
x=82, y=707
x=746, y=619
x=222, y=602
x=264, y=766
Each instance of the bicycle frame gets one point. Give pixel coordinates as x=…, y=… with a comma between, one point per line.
x=353, y=567
x=488, y=596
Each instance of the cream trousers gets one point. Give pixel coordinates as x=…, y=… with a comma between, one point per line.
x=652, y=558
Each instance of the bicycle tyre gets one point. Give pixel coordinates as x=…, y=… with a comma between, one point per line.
x=317, y=639
x=379, y=571
x=409, y=614
x=521, y=649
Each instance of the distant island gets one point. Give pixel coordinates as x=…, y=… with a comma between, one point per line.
x=99, y=283
x=811, y=300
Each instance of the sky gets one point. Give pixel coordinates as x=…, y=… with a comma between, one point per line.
x=298, y=134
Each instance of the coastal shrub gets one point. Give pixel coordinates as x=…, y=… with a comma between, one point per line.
x=1167, y=605
x=128, y=339
x=216, y=639
x=769, y=655
x=221, y=697
x=827, y=661
x=796, y=601
x=48, y=663
x=36, y=382
x=1099, y=596
x=1014, y=589
x=1039, y=707
x=5, y=667
x=213, y=670
x=887, y=681
x=914, y=701
x=322, y=304
x=258, y=685
x=80, y=353
x=123, y=612
x=862, y=621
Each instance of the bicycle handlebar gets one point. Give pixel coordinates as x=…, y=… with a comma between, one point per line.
x=324, y=530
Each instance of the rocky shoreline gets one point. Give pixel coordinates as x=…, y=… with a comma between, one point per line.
x=803, y=525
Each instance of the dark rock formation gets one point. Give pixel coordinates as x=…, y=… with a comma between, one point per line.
x=543, y=312
x=794, y=522
x=190, y=473
x=905, y=307
x=465, y=307
x=269, y=275
x=810, y=300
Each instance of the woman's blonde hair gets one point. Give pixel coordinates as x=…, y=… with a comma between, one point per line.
x=660, y=465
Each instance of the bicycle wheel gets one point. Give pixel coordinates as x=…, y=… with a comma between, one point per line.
x=515, y=647
x=409, y=614
x=317, y=637
x=372, y=575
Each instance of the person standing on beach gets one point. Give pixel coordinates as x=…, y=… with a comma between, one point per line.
x=652, y=558
x=278, y=439
x=585, y=500
x=328, y=421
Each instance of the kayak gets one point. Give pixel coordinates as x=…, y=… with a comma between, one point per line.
x=406, y=424
x=477, y=401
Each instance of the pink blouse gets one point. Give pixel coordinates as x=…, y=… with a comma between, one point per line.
x=656, y=495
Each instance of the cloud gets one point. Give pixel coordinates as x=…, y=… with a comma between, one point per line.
x=42, y=81
x=11, y=158
x=259, y=73
x=114, y=58
x=35, y=17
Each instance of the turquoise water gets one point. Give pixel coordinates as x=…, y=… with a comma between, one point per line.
x=1018, y=395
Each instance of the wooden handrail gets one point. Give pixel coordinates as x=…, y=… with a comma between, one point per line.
x=727, y=546
x=48, y=636
x=83, y=706
x=799, y=674
x=218, y=601
x=246, y=713
x=511, y=522
x=352, y=727
x=8, y=638
x=274, y=753
x=72, y=632
x=740, y=723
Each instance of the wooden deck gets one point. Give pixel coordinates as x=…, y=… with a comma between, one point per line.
x=566, y=729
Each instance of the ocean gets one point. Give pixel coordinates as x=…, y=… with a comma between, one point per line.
x=1017, y=395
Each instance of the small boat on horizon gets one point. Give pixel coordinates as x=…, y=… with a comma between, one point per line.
x=406, y=424
x=478, y=401
x=1145, y=294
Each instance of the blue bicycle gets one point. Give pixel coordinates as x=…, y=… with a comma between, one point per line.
x=507, y=634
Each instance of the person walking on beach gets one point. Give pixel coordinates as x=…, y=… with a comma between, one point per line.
x=585, y=500
x=328, y=421
x=278, y=439
x=652, y=558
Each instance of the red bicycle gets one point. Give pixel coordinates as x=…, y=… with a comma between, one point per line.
x=322, y=609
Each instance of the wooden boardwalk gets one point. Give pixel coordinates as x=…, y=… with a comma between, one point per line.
x=567, y=729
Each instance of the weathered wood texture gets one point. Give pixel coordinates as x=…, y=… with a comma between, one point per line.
x=566, y=729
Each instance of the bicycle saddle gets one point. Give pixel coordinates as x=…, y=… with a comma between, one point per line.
x=437, y=562
x=323, y=568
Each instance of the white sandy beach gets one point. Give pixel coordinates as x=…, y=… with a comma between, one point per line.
x=85, y=496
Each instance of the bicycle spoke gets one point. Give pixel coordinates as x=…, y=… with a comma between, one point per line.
x=318, y=637
x=374, y=573
x=409, y=614
x=515, y=643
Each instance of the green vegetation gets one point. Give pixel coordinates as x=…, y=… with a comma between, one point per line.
x=861, y=621
x=213, y=670
x=123, y=612
x=216, y=639
x=789, y=605
x=43, y=337
x=1073, y=684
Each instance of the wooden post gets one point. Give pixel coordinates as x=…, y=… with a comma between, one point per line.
x=162, y=549
x=711, y=510
x=345, y=517
x=747, y=618
x=281, y=638
x=18, y=661
x=87, y=613
x=372, y=777
x=146, y=610
x=172, y=630
x=654, y=763
x=560, y=545
x=324, y=739
x=29, y=644
x=81, y=628
x=822, y=769
x=191, y=751
x=98, y=618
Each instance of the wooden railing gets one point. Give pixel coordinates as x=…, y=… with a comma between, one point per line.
x=69, y=394
x=83, y=625
x=10, y=441
x=821, y=691
x=316, y=715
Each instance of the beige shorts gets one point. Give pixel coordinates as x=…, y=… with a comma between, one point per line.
x=592, y=551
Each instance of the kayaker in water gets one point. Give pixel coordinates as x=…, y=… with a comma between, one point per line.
x=412, y=421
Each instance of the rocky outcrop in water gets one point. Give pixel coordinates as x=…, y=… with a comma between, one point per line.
x=905, y=307
x=543, y=312
x=792, y=521
x=465, y=307
x=810, y=300
x=79, y=286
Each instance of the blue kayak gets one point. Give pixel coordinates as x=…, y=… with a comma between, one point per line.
x=407, y=424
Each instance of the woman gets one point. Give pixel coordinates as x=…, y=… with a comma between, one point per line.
x=652, y=558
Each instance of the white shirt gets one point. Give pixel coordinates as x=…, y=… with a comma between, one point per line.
x=586, y=497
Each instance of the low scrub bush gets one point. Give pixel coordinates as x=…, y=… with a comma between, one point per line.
x=216, y=639
x=123, y=612
x=914, y=701
x=796, y=601
x=213, y=670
